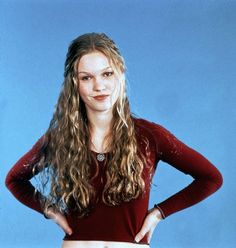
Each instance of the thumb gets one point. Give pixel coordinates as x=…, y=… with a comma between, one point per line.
x=67, y=229
x=62, y=222
x=139, y=236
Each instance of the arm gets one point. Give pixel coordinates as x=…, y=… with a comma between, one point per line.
x=207, y=179
x=18, y=178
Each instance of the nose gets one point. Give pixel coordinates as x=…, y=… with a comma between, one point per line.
x=98, y=84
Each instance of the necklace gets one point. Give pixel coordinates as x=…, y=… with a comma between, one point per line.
x=100, y=156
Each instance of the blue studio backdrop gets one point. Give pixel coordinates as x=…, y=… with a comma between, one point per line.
x=180, y=58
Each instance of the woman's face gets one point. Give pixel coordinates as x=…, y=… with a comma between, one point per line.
x=98, y=83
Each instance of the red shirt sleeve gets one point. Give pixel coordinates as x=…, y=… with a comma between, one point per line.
x=206, y=177
x=18, y=178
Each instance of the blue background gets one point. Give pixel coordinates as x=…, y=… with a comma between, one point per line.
x=181, y=73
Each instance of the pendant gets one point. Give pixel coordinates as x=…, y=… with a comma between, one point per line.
x=100, y=157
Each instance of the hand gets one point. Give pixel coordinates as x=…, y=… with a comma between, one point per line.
x=59, y=219
x=149, y=225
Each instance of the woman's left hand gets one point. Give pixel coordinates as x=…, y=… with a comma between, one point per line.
x=149, y=225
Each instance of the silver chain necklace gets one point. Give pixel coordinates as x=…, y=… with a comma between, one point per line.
x=100, y=156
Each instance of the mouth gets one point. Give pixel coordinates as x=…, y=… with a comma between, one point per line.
x=100, y=97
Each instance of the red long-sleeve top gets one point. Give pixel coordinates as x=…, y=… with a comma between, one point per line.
x=123, y=222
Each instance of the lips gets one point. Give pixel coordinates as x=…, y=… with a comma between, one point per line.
x=100, y=97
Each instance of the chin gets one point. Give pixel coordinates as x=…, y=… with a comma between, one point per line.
x=102, y=109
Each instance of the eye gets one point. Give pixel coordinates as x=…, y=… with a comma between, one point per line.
x=85, y=78
x=108, y=73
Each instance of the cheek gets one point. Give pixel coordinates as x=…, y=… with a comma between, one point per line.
x=83, y=91
x=114, y=85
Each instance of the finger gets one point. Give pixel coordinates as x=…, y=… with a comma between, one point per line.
x=66, y=228
x=140, y=235
x=149, y=236
x=62, y=222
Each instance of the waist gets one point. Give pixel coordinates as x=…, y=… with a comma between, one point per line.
x=101, y=244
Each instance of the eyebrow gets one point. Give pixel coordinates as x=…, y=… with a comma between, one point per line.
x=90, y=73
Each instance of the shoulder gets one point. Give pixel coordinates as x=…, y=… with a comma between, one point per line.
x=164, y=140
x=148, y=130
x=151, y=127
x=40, y=143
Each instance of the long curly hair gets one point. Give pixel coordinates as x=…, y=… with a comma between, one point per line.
x=67, y=157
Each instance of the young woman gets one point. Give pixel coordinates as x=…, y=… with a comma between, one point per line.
x=97, y=160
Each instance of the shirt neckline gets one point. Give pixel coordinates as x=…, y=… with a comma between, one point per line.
x=105, y=153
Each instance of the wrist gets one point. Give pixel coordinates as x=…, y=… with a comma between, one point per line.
x=159, y=211
x=49, y=213
x=156, y=212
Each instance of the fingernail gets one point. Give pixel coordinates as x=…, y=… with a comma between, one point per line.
x=136, y=240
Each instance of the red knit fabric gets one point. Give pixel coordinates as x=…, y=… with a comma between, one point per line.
x=123, y=222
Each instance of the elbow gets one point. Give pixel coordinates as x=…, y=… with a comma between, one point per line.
x=8, y=180
x=212, y=181
x=217, y=180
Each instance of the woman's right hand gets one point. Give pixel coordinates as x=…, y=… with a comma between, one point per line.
x=59, y=219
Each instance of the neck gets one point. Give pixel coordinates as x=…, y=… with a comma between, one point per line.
x=100, y=124
x=100, y=121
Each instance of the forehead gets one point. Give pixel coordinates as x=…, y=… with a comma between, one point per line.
x=94, y=61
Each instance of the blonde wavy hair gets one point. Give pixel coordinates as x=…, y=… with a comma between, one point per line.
x=66, y=155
